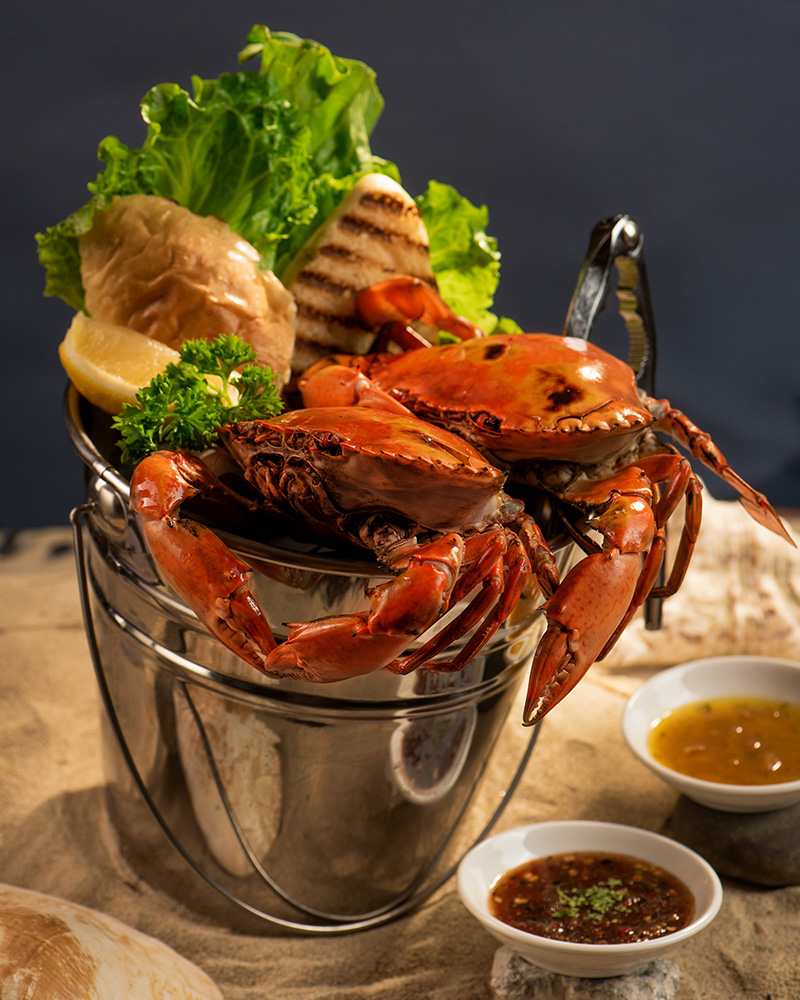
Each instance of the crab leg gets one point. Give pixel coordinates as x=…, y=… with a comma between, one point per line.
x=500, y=563
x=600, y=594
x=516, y=569
x=500, y=580
x=675, y=423
x=404, y=607
x=681, y=484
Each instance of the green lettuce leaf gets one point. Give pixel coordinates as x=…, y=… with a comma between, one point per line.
x=464, y=258
x=337, y=99
x=339, y=102
x=272, y=152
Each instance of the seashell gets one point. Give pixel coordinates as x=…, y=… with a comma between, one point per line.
x=51, y=949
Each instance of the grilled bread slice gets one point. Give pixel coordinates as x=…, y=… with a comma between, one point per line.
x=375, y=233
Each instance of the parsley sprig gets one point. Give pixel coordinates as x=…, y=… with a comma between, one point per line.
x=592, y=903
x=183, y=408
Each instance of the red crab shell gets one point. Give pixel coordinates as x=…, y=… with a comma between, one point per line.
x=567, y=398
x=369, y=460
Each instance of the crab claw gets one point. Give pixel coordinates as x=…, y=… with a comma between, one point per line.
x=582, y=616
x=197, y=564
x=333, y=649
x=405, y=300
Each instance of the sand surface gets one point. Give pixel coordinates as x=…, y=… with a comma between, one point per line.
x=56, y=837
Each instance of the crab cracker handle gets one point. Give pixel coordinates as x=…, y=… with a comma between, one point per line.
x=618, y=241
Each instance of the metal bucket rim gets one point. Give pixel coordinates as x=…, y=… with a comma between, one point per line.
x=313, y=704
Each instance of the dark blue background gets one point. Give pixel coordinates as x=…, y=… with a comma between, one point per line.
x=683, y=115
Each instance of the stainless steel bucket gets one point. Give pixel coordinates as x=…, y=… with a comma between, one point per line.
x=322, y=808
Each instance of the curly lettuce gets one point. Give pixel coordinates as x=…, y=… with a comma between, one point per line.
x=272, y=151
x=338, y=99
x=339, y=102
x=464, y=258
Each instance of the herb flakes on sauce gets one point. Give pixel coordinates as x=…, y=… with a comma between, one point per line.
x=592, y=903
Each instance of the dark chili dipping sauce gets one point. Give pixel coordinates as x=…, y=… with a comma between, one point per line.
x=593, y=898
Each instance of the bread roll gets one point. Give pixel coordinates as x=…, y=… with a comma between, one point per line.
x=51, y=949
x=150, y=264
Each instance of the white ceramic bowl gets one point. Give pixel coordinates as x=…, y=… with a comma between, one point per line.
x=486, y=862
x=716, y=677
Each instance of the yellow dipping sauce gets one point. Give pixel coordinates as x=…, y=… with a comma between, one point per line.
x=734, y=741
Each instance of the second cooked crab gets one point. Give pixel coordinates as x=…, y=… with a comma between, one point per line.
x=424, y=501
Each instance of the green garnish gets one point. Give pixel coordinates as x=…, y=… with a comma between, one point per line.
x=464, y=258
x=592, y=903
x=273, y=151
x=181, y=408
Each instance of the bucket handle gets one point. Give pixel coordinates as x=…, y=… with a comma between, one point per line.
x=341, y=926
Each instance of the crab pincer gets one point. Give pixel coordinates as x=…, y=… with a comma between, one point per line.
x=600, y=594
x=194, y=561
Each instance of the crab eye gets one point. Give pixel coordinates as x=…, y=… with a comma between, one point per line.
x=489, y=422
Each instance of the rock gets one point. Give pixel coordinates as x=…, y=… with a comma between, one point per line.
x=763, y=848
x=515, y=978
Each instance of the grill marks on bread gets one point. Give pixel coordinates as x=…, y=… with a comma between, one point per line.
x=376, y=232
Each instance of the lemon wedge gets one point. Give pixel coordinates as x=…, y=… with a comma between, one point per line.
x=108, y=364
